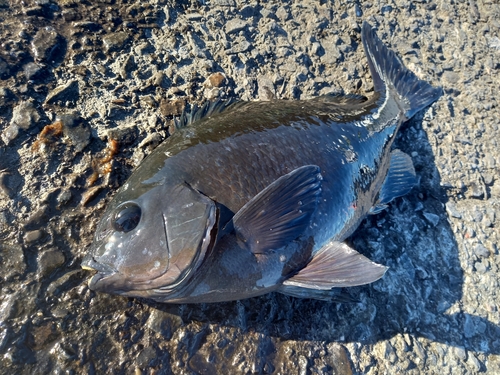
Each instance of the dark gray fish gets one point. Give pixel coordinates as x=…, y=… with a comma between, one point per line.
x=259, y=196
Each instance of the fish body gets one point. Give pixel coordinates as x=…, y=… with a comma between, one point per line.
x=260, y=196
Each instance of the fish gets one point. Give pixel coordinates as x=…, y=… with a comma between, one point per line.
x=250, y=198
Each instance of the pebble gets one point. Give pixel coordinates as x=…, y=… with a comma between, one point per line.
x=152, y=140
x=77, y=130
x=481, y=251
x=67, y=281
x=115, y=41
x=68, y=92
x=432, y=218
x=25, y=115
x=266, y=89
x=33, y=236
x=10, y=133
x=12, y=260
x=45, y=44
x=480, y=267
x=64, y=197
x=172, y=107
x=49, y=261
x=7, y=97
x=452, y=210
x=124, y=135
x=474, y=362
x=242, y=46
x=460, y=352
x=216, y=80
x=32, y=70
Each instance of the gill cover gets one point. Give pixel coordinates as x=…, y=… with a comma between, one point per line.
x=188, y=222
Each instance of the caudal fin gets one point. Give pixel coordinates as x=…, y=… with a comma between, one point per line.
x=387, y=70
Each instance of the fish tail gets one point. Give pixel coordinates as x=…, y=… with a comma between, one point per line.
x=411, y=93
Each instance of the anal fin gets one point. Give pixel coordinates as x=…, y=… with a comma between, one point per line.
x=330, y=295
x=336, y=265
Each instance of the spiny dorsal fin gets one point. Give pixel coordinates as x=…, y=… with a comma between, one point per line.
x=207, y=109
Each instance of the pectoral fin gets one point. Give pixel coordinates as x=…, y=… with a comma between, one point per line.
x=337, y=265
x=281, y=212
x=399, y=181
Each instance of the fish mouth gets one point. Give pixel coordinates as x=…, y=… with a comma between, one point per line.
x=101, y=271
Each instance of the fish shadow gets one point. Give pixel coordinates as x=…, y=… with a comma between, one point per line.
x=420, y=294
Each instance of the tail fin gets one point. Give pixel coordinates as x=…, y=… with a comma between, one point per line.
x=388, y=70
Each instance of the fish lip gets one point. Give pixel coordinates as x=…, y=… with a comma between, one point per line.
x=90, y=264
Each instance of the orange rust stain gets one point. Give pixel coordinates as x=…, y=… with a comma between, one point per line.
x=102, y=166
x=48, y=134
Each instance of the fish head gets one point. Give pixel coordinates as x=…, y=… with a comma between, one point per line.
x=151, y=244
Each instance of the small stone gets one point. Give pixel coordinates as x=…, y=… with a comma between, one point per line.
x=67, y=281
x=331, y=56
x=163, y=323
x=33, y=236
x=172, y=107
x=241, y=47
x=43, y=336
x=266, y=89
x=152, y=140
x=148, y=101
x=45, y=44
x=12, y=260
x=69, y=92
x=145, y=357
x=432, y=218
x=64, y=197
x=76, y=130
x=282, y=14
x=235, y=25
x=480, y=267
x=25, y=115
x=49, y=261
x=469, y=327
x=87, y=25
x=481, y=251
x=216, y=80
x=451, y=77
x=10, y=133
x=124, y=135
x=460, y=352
x=158, y=79
x=452, y=210
x=474, y=362
x=194, y=16
x=6, y=97
x=32, y=70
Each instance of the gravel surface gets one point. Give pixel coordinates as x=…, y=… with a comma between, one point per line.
x=87, y=89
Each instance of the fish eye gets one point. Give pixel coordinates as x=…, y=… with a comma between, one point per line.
x=127, y=217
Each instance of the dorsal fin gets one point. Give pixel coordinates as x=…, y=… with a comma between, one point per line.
x=207, y=109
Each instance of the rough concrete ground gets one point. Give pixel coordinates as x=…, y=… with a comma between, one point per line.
x=121, y=70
